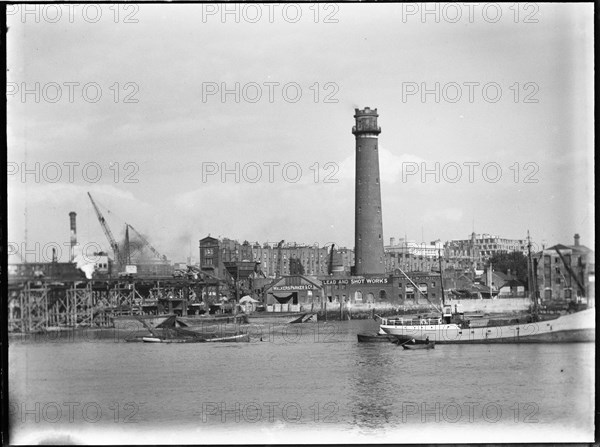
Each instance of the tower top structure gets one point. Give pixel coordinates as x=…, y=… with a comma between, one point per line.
x=366, y=122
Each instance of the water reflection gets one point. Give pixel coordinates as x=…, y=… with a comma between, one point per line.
x=373, y=385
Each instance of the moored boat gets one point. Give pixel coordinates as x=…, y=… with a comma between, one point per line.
x=131, y=322
x=225, y=339
x=375, y=338
x=574, y=327
x=419, y=346
x=447, y=327
x=207, y=320
x=170, y=331
x=281, y=317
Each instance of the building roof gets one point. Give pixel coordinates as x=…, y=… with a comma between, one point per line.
x=581, y=248
x=503, y=276
x=512, y=283
x=559, y=247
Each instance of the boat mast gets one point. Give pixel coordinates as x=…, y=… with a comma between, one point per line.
x=530, y=280
x=441, y=278
x=490, y=277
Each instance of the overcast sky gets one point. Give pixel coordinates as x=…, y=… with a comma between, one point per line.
x=161, y=69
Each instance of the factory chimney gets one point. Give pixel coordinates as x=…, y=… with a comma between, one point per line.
x=576, y=240
x=368, y=229
x=72, y=218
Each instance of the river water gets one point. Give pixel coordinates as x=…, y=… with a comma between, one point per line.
x=302, y=383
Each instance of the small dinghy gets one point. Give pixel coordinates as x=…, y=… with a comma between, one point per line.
x=419, y=346
x=375, y=338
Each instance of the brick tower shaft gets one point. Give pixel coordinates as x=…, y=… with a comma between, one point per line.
x=368, y=230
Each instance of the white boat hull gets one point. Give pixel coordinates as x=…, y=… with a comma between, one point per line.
x=575, y=327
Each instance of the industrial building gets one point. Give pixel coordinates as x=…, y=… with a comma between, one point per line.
x=565, y=272
x=293, y=293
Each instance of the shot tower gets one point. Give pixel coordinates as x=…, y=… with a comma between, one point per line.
x=368, y=229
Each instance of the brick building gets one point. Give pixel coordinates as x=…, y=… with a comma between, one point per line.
x=394, y=288
x=565, y=272
x=314, y=259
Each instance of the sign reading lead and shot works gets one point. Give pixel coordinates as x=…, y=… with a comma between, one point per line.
x=356, y=280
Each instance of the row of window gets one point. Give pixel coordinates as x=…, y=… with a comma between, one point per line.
x=370, y=298
x=407, y=285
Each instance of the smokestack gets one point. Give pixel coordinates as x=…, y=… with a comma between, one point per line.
x=392, y=241
x=576, y=240
x=72, y=218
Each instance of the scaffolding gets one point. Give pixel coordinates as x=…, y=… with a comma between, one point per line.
x=39, y=306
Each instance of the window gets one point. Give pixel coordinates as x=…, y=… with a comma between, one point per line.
x=568, y=293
